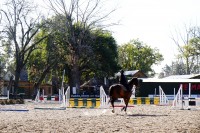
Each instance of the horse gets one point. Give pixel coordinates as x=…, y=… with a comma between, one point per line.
x=119, y=91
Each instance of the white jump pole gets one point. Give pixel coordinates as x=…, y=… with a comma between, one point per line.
x=103, y=99
x=62, y=90
x=163, y=98
x=67, y=97
x=43, y=95
x=181, y=97
x=189, y=96
x=59, y=94
x=8, y=94
x=178, y=101
x=174, y=93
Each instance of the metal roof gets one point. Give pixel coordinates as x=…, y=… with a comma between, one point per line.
x=182, y=76
x=168, y=80
x=126, y=73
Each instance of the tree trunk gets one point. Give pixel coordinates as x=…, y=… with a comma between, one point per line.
x=187, y=66
x=16, y=83
x=75, y=77
x=37, y=84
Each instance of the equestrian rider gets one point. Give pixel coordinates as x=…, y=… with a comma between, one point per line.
x=122, y=80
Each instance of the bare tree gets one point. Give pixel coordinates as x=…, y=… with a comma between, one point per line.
x=186, y=48
x=88, y=15
x=20, y=28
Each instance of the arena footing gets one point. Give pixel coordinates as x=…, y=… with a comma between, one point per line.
x=123, y=106
x=84, y=107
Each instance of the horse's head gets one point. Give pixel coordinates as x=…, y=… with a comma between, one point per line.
x=133, y=81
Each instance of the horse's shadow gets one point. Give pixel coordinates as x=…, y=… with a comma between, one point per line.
x=142, y=115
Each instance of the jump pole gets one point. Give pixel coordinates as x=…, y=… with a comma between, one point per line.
x=189, y=96
x=62, y=90
x=16, y=110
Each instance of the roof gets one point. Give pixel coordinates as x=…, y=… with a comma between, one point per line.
x=191, y=76
x=133, y=73
x=127, y=73
x=171, y=80
x=91, y=82
x=8, y=75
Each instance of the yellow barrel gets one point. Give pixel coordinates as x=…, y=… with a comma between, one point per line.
x=147, y=100
x=156, y=100
x=71, y=101
x=97, y=102
x=89, y=102
x=139, y=101
x=131, y=101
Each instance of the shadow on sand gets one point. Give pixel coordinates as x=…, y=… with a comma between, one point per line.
x=141, y=115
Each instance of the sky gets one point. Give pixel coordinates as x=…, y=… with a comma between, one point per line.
x=153, y=22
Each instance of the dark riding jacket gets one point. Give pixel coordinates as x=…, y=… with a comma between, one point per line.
x=123, y=81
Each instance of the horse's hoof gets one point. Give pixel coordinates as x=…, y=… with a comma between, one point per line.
x=123, y=109
x=113, y=111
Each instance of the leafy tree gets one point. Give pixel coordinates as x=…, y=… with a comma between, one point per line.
x=195, y=43
x=6, y=57
x=97, y=54
x=135, y=55
x=188, y=48
x=103, y=62
x=20, y=29
x=176, y=68
x=43, y=60
x=80, y=17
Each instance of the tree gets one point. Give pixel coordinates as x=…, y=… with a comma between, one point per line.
x=84, y=15
x=188, y=49
x=106, y=54
x=176, y=68
x=97, y=55
x=42, y=60
x=20, y=29
x=135, y=55
x=102, y=60
x=195, y=43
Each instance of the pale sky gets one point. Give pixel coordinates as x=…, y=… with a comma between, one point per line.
x=153, y=22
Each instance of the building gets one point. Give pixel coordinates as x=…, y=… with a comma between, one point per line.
x=133, y=73
x=170, y=85
x=25, y=88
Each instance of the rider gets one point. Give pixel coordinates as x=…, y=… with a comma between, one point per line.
x=123, y=81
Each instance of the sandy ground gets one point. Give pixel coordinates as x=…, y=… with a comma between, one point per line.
x=139, y=119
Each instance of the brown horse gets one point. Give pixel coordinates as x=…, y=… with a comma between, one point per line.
x=119, y=91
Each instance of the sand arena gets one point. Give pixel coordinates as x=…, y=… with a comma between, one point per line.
x=141, y=118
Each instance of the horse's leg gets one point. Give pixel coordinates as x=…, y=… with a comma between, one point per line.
x=123, y=108
x=112, y=103
x=126, y=102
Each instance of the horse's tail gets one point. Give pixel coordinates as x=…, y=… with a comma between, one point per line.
x=110, y=93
